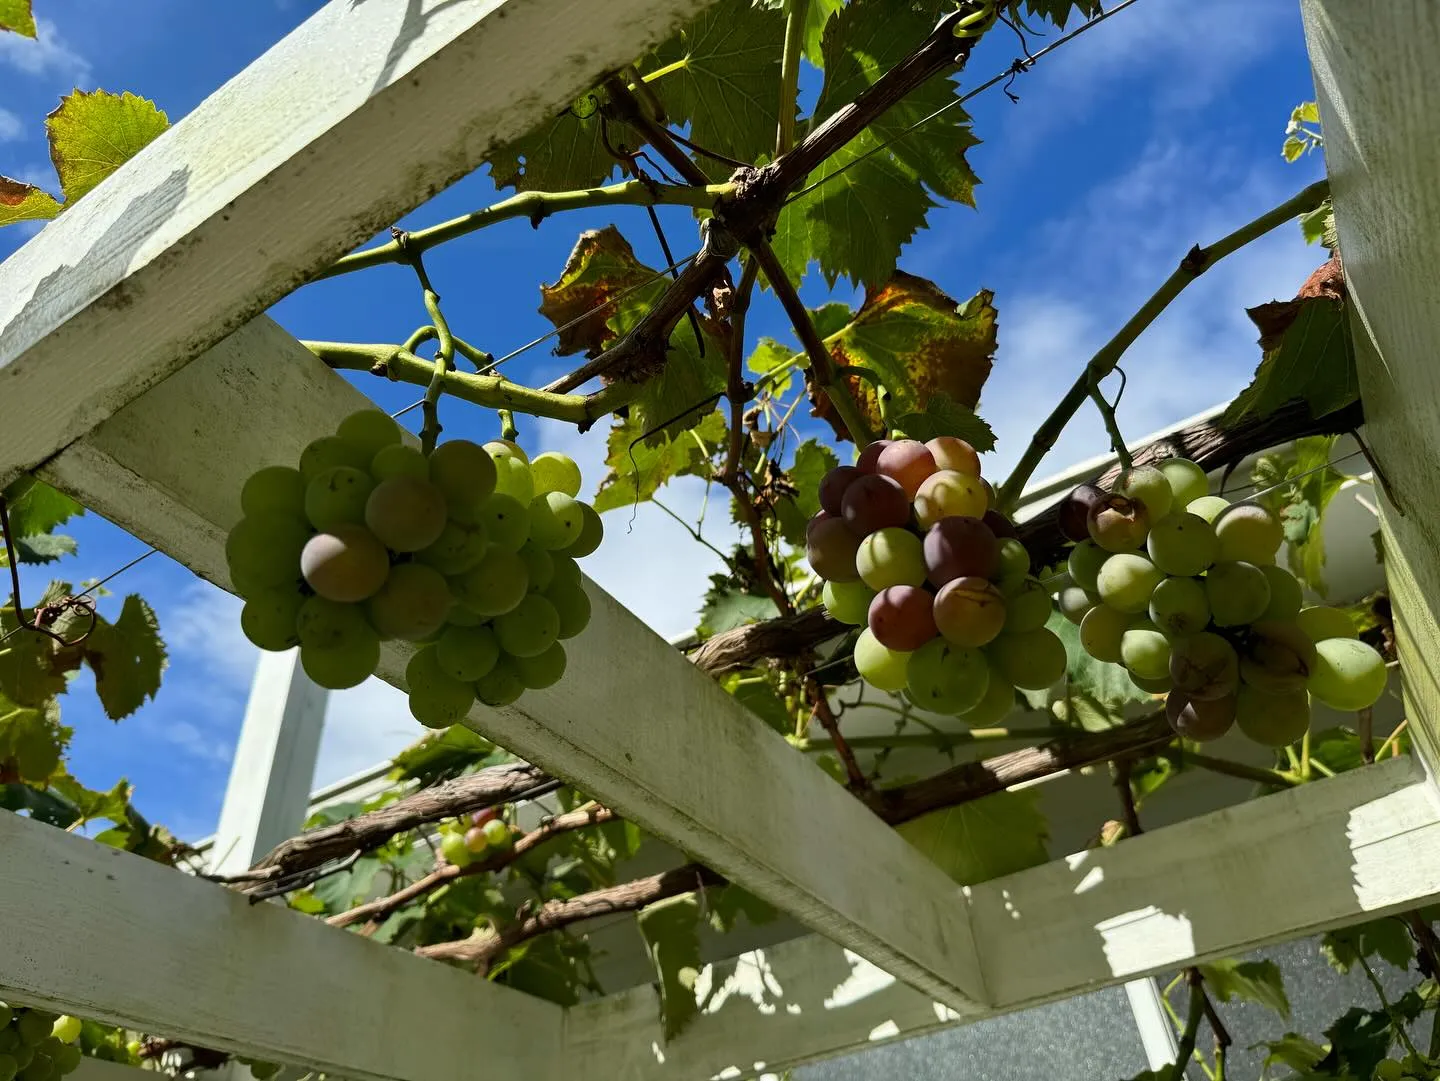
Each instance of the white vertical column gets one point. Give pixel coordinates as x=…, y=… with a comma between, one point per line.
x=269, y=788
x=1157, y=1034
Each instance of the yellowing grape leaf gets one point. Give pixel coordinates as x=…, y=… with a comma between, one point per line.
x=637, y=468
x=15, y=15
x=671, y=930
x=601, y=266
x=919, y=343
x=977, y=841
x=94, y=133
x=20, y=201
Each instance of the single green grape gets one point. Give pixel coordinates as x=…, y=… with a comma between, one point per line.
x=369, y=430
x=467, y=653
x=1102, y=630
x=542, y=670
x=437, y=699
x=849, y=602
x=592, y=532
x=275, y=489
x=530, y=628
x=1084, y=564
x=398, y=460
x=884, y=669
x=553, y=472
x=500, y=686
x=1033, y=660
x=507, y=522
x=466, y=475
x=1348, y=674
x=943, y=677
x=337, y=497
x=572, y=604
x=1126, y=581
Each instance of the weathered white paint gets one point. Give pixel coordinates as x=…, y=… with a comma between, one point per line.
x=1157, y=1032
x=633, y=723
x=108, y=935
x=274, y=764
x=358, y=116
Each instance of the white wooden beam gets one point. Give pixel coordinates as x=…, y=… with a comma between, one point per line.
x=632, y=724
x=358, y=116
x=274, y=764
x=105, y=934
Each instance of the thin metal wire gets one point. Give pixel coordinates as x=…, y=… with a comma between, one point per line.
x=1017, y=67
x=91, y=589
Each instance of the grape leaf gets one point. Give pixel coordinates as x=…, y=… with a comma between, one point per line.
x=90, y=805
x=755, y=694
x=1359, y=1040
x=671, y=930
x=1338, y=749
x=31, y=739
x=727, y=905
x=1301, y=503
x=442, y=755
x=1096, y=692
x=855, y=226
x=945, y=416
x=28, y=675
x=978, y=841
x=15, y=15
x=724, y=84
x=601, y=266
x=1058, y=11
x=127, y=657
x=42, y=804
x=34, y=507
x=20, y=201
x=549, y=967
x=919, y=343
x=94, y=133
x=768, y=356
x=42, y=549
x=1292, y=1050
x=1307, y=351
x=817, y=18
x=812, y=461
x=635, y=471
x=1387, y=938
x=727, y=607
x=564, y=153
x=683, y=393
x=1249, y=981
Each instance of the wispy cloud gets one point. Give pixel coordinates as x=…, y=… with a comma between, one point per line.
x=47, y=54
x=10, y=127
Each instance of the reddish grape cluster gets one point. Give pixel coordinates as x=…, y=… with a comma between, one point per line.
x=1181, y=588
x=912, y=549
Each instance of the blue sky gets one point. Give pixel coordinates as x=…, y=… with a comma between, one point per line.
x=1158, y=130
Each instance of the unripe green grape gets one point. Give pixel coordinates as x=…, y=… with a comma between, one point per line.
x=338, y=669
x=67, y=1059
x=66, y=1028
x=276, y=489
x=8, y=1067
x=405, y=513
x=1182, y=544
x=1014, y=558
x=1126, y=581
x=540, y=565
x=891, y=557
x=337, y=497
x=412, y=604
x=1149, y=486
x=495, y=585
x=507, y=522
x=399, y=460
x=507, y=449
x=1027, y=605
x=1204, y=666
x=1200, y=719
x=1075, y=602
x=948, y=493
x=497, y=834
x=1084, y=564
x=1146, y=652
x=1178, y=606
x=1033, y=660
x=1238, y=593
x=268, y=618
x=1208, y=507
x=884, y=669
x=369, y=430
x=458, y=548
x=326, y=624
x=1321, y=622
x=849, y=602
x=500, y=686
x=1163, y=685
x=475, y=840
x=567, y=570
x=1187, y=480
x=554, y=472
x=943, y=677
x=542, y=670
x=555, y=521
x=529, y=629
x=454, y=849
x=264, y=551
x=465, y=474
x=23, y=1055
x=41, y=1068
x=1249, y=532
x=995, y=706
x=512, y=478
x=572, y=604
x=592, y=532
x=437, y=699
x=1274, y=720
x=1101, y=632
x=466, y=653
x=1348, y=674
x=330, y=451
x=1286, y=596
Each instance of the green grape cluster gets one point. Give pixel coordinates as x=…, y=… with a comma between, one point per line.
x=1181, y=588
x=912, y=549
x=469, y=552
x=1410, y=1068
x=36, y=1045
x=476, y=837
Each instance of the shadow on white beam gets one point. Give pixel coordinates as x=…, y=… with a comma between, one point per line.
x=354, y=119
x=632, y=724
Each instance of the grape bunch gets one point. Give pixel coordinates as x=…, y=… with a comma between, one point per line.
x=36, y=1045
x=911, y=548
x=476, y=837
x=1181, y=588
x=468, y=552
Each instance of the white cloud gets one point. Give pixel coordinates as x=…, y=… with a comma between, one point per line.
x=45, y=54
x=364, y=726
x=10, y=126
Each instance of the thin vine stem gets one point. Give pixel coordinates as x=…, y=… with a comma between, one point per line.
x=1396, y=1021
x=1193, y=1016
x=1112, y=425
x=1196, y=262
x=796, y=12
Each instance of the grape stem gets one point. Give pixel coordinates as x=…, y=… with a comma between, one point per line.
x=944, y=741
x=796, y=12
x=1196, y=262
x=1272, y=778
x=1196, y=1012
x=1112, y=425
x=444, y=361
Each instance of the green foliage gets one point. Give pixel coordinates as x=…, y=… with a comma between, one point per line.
x=671, y=930
x=1292, y=1050
x=944, y=416
x=16, y=16
x=1096, y=692
x=442, y=755
x=22, y=201
x=1308, y=353
x=1300, y=485
x=975, y=842
x=794, y=508
x=94, y=133
x=729, y=605
x=1247, y=981
x=1386, y=938
x=637, y=468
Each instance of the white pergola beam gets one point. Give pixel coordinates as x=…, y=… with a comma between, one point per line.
x=354, y=119
x=632, y=723
x=105, y=934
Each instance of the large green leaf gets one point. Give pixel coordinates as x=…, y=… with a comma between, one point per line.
x=29, y=676
x=855, y=225
x=34, y=509
x=42, y=549
x=127, y=657
x=31, y=739
x=20, y=201
x=919, y=343
x=727, y=606
x=984, y=839
x=943, y=416
x=1292, y=1050
x=1106, y=685
x=1248, y=981
x=15, y=15
x=1387, y=938
x=638, y=468
x=442, y=755
x=1359, y=1040
x=684, y=391
x=94, y=133
x=671, y=930
x=564, y=153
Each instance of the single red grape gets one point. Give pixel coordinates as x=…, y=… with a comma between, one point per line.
x=870, y=455
x=960, y=547
x=874, y=502
x=1074, y=511
x=902, y=617
x=834, y=484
